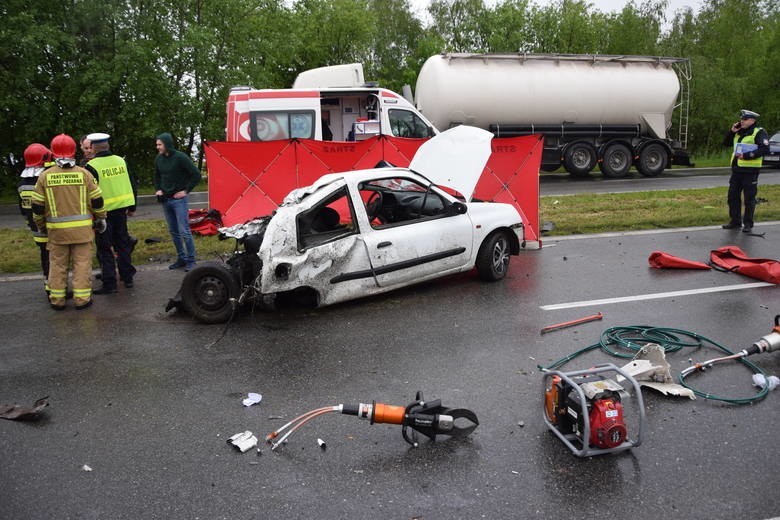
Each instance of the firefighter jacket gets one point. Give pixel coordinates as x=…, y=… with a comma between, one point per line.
x=26, y=189
x=63, y=203
x=110, y=171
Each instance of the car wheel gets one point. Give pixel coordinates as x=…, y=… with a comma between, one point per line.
x=493, y=257
x=206, y=293
x=616, y=162
x=652, y=160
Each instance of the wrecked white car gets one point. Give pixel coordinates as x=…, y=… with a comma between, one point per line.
x=360, y=233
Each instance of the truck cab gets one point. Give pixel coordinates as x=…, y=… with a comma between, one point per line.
x=325, y=104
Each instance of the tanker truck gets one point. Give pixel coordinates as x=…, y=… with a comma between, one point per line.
x=610, y=111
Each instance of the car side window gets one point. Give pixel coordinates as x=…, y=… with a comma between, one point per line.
x=330, y=220
x=399, y=201
x=404, y=123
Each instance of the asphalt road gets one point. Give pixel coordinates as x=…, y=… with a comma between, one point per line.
x=147, y=401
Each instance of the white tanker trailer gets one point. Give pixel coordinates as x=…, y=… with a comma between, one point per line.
x=613, y=111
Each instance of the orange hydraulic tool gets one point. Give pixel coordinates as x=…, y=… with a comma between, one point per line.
x=429, y=418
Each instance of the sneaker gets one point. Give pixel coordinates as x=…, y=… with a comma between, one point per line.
x=129, y=284
x=105, y=290
x=731, y=225
x=190, y=266
x=178, y=264
x=57, y=307
x=747, y=229
x=84, y=306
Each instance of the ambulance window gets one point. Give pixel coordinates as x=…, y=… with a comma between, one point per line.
x=404, y=123
x=283, y=124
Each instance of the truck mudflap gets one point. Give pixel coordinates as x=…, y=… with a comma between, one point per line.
x=681, y=158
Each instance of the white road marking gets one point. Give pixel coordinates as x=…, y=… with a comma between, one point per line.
x=654, y=296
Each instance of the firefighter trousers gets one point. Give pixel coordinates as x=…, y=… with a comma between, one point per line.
x=60, y=256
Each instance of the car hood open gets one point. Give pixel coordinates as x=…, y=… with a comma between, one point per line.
x=455, y=158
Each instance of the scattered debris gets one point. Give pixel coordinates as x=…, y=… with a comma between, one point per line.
x=571, y=323
x=86, y=468
x=152, y=240
x=770, y=382
x=650, y=368
x=243, y=441
x=275, y=417
x=252, y=398
x=521, y=424
x=321, y=443
x=23, y=413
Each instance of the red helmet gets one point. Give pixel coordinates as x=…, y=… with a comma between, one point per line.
x=63, y=147
x=36, y=155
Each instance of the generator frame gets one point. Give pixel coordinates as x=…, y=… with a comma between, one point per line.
x=595, y=373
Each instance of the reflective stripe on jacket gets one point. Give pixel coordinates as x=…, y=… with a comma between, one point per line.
x=66, y=196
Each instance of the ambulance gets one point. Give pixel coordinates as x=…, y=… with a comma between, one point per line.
x=325, y=104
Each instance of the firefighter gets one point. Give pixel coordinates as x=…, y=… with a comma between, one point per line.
x=65, y=199
x=114, y=247
x=36, y=159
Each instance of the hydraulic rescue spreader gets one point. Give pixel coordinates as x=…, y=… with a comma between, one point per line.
x=428, y=418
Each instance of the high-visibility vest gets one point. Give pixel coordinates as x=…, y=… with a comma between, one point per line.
x=114, y=181
x=748, y=139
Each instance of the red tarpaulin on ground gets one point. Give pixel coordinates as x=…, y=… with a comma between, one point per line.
x=248, y=180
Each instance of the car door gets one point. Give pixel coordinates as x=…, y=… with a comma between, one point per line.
x=414, y=233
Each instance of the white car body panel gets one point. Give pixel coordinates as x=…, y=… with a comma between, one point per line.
x=351, y=266
x=454, y=158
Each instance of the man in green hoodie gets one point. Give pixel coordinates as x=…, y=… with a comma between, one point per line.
x=175, y=176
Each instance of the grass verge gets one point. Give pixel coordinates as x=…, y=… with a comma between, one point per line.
x=571, y=214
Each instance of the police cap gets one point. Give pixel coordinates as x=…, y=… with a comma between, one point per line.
x=98, y=137
x=747, y=114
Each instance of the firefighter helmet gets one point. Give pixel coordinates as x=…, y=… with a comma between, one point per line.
x=36, y=155
x=63, y=147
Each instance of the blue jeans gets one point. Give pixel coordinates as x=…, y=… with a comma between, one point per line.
x=176, y=215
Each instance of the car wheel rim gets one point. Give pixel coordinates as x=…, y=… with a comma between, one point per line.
x=211, y=293
x=500, y=256
x=618, y=160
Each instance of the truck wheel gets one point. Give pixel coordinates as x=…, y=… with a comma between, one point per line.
x=616, y=161
x=652, y=160
x=206, y=293
x=579, y=159
x=493, y=257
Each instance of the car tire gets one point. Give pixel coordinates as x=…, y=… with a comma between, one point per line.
x=616, y=161
x=493, y=257
x=208, y=291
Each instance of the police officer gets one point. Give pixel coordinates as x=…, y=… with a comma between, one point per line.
x=65, y=199
x=749, y=143
x=114, y=247
x=36, y=159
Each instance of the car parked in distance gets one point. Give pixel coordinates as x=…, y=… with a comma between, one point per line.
x=772, y=159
